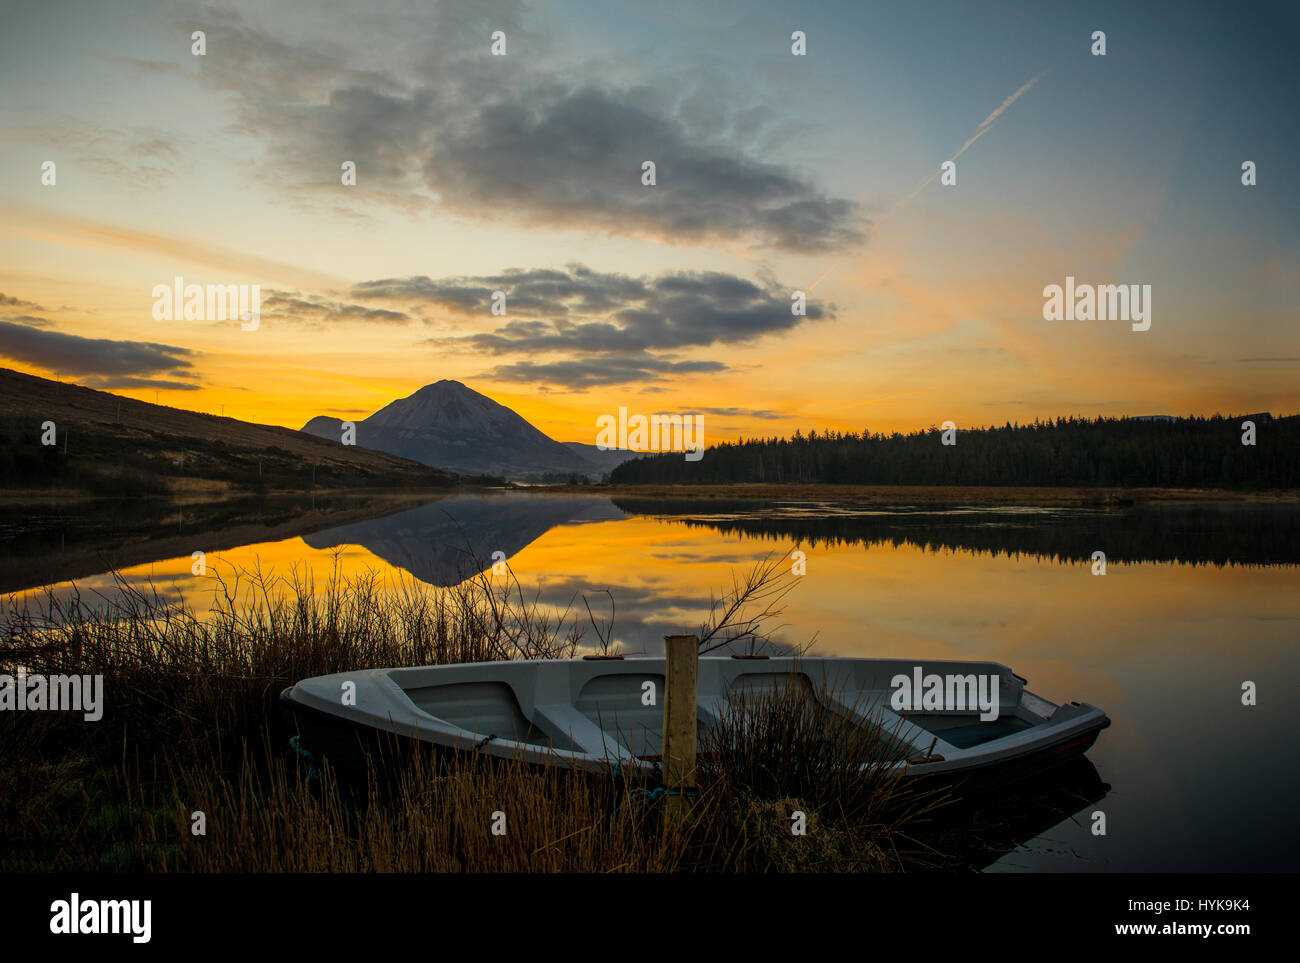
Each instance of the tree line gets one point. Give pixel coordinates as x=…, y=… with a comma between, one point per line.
x=1194, y=452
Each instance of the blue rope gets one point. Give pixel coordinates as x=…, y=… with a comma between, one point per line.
x=652, y=795
x=649, y=797
x=296, y=746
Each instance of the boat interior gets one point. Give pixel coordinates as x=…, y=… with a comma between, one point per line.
x=613, y=708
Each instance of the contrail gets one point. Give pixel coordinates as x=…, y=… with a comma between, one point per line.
x=980, y=131
x=984, y=127
x=994, y=116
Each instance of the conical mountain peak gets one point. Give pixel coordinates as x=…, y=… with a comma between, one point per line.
x=450, y=425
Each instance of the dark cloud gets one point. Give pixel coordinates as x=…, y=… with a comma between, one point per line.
x=113, y=361
x=564, y=156
x=310, y=309
x=602, y=328
x=9, y=301
x=583, y=311
x=743, y=412
x=535, y=292
x=492, y=138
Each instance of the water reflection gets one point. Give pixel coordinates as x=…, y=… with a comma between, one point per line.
x=1218, y=534
x=1031, y=825
x=448, y=541
x=1196, y=600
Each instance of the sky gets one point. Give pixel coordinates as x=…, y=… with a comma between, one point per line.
x=774, y=173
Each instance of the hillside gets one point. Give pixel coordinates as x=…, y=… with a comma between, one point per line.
x=112, y=445
x=606, y=460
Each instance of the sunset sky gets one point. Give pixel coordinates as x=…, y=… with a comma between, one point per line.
x=775, y=173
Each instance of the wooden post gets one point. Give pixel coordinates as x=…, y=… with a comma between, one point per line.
x=681, y=663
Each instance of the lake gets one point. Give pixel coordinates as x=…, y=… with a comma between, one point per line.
x=1195, y=600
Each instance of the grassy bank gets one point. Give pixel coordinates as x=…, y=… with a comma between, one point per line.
x=191, y=724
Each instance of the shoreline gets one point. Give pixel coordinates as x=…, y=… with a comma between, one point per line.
x=974, y=495
x=153, y=541
x=131, y=531
x=885, y=495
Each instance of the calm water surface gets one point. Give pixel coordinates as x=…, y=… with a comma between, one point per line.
x=1195, y=600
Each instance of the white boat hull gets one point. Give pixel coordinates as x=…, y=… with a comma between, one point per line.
x=592, y=714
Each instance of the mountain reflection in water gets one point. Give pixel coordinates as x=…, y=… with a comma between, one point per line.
x=451, y=540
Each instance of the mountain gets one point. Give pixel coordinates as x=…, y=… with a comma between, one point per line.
x=455, y=428
x=115, y=445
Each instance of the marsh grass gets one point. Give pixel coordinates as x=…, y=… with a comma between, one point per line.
x=192, y=724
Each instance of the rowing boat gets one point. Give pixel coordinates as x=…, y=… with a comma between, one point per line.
x=595, y=713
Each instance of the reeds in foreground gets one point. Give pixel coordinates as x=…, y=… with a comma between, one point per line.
x=192, y=725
